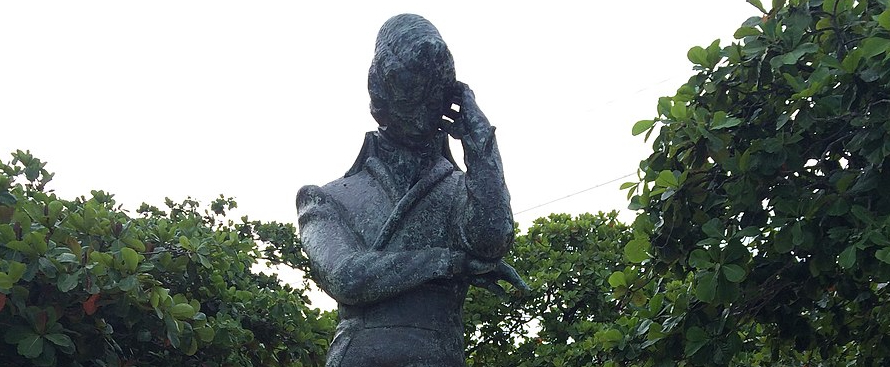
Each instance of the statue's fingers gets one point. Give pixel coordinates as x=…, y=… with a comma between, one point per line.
x=521, y=285
x=457, y=97
x=509, y=274
x=493, y=287
x=452, y=114
x=506, y=271
x=478, y=281
x=446, y=125
x=451, y=128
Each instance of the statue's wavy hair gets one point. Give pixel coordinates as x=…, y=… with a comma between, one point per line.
x=408, y=47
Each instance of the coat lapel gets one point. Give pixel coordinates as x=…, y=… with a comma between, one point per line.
x=383, y=176
x=441, y=169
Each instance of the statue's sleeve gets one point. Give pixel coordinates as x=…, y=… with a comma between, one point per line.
x=347, y=270
x=484, y=219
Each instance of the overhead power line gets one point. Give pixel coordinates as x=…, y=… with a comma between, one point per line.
x=612, y=101
x=576, y=193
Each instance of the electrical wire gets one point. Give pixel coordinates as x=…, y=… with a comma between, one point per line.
x=615, y=179
x=576, y=193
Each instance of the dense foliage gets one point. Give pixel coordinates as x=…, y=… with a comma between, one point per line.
x=571, y=317
x=84, y=283
x=766, y=194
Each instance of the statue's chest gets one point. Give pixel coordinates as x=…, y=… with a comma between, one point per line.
x=426, y=218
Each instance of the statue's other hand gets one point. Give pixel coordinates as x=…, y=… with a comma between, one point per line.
x=490, y=283
x=502, y=271
x=508, y=273
x=476, y=266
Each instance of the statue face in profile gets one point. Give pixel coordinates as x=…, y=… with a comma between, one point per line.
x=411, y=80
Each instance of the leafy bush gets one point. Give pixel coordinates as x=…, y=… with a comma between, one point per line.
x=84, y=283
x=766, y=192
x=571, y=317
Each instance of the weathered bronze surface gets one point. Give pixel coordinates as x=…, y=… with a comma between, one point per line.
x=400, y=238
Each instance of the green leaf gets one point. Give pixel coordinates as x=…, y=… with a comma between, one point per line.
x=16, y=270
x=206, y=334
x=722, y=121
x=700, y=259
x=706, y=287
x=185, y=243
x=884, y=19
x=696, y=338
x=612, y=335
x=882, y=254
x=617, y=279
x=127, y=284
x=851, y=61
x=847, y=257
x=664, y=106
x=727, y=292
x=750, y=231
x=714, y=56
x=134, y=243
x=713, y=228
x=67, y=258
x=67, y=282
x=637, y=250
x=745, y=32
x=131, y=258
x=783, y=247
x=31, y=346
x=6, y=281
x=797, y=234
x=792, y=57
x=16, y=334
x=839, y=207
x=63, y=341
x=47, y=267
x=54, y=208
x=7, y=199
x=22, y=247
x=678, y=111
x=182, y=311
x=735, y=251
x=733, y=273
x=102, y=258
x=192, y=349
x=641, y=126
x=697, y=55
x=627, y=185
x=667, y=179
x=38, y=241
x=861, y=213
x=874, y=46
x=757, y=4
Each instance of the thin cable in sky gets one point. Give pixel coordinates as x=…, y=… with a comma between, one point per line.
x=628, y=95
x=576, y=193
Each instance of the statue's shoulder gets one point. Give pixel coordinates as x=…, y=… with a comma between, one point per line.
x=335, y=190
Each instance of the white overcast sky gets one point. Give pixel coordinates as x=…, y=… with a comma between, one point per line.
x=253, y=99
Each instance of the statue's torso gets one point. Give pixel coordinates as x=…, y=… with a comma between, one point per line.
x=422, y=325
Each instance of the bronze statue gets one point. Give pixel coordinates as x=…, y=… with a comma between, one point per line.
x=400, y=238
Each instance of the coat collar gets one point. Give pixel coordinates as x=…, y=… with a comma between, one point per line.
x=372, y=145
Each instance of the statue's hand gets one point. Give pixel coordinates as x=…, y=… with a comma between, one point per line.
x=502, y=271
x=467, y=116
x=476, y=266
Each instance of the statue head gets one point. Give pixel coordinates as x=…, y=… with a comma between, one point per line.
x=411, y=80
